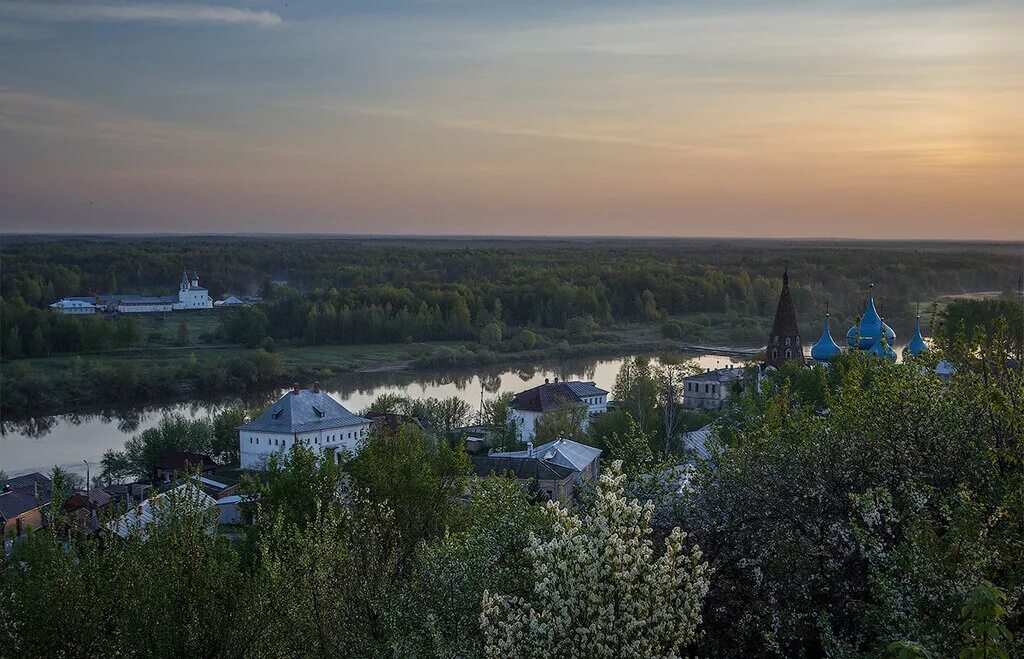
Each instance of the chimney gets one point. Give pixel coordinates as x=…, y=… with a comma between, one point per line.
x=316, y=387
x=529, y=449
x=556, y=379
x=547, y=381
x=296, y=389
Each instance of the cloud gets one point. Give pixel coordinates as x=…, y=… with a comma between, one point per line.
x=141, y=12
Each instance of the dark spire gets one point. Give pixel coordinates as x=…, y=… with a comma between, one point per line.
x=784, y=341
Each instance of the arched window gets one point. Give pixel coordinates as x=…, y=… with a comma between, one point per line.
x=775, y=340
x=789, y=353
x=787, y=340
x=775, y=353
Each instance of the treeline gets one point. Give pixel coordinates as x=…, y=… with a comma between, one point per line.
x=30, y=332
x=88, y=381
x=332, y=290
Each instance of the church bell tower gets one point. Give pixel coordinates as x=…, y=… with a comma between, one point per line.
x=784, y=341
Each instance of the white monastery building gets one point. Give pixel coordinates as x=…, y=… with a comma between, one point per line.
x=306, y=416
x=528, y=405
x=190, y=296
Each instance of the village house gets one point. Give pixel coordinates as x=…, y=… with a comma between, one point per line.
x=173, y=463
x=552, y=470
x=21, y=505
x=306, y=416
x=139, y=518
x=709, y=390
x=527, y=406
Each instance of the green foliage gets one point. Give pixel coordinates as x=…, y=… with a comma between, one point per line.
x=527, y=340
x=294, y=488
x=414, y=474
x=636, y=392
x=983, y=625
x=565, y=421
x=216, y=437
x=672, y=330
x=853, y=505
x=490, y=335
x=438, y=414
x=497, y=416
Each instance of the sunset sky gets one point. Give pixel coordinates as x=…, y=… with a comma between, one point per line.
x=819, y=119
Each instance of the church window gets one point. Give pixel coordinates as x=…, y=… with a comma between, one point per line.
x=775, y=340
x=775, y=353
x=787, y=340
x=789, y=353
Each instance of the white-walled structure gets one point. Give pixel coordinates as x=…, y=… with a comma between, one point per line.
x=306, y=416
x=528, y=405
x=74, y=307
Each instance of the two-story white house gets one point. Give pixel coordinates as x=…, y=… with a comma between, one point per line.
x=527, y=406
x=709, y=390
x=305, y=416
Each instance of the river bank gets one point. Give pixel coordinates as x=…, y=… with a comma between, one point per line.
x=70, y=384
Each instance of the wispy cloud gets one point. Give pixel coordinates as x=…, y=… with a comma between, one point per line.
x=140, y=12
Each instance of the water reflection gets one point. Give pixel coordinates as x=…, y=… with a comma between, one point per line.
x=39, y=443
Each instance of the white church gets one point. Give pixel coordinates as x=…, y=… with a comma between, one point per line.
x=190, y=296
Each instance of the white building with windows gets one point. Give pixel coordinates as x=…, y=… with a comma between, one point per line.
x=528, y=405
x=710, y=390
x=74, y=307
x=305, y=416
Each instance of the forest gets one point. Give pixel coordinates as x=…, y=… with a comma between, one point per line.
x=860, y=509
x=489, y=299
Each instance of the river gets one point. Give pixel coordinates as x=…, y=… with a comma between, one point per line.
x=69, y=440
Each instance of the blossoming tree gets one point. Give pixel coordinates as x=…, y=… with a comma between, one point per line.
x=599, y=590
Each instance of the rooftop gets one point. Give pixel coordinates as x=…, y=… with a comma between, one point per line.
x=307, y=410
x=727, y=374
x=549, y=395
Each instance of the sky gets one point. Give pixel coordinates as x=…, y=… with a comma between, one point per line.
x=895, y=119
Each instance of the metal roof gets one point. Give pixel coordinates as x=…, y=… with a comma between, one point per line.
x=141, y=516
x=550, y=394
x=696, y=441
x=727, y=374
x=306, y=411
x=568, y=453
x=561, y=452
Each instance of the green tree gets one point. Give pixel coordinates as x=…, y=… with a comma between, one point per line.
x=527, y=339
x=12, y=349
x=564, y=421
x=636, y=391
x=490, y=335
x=183, y=338
x=414, y=474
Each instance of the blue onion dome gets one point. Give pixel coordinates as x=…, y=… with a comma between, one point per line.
x=917, y=344
x=826, y=348
x=882, y=350
x=870, y=323
x=890, y=335
x=852, y=336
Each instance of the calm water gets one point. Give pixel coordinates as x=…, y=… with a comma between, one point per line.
x=69, y=439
